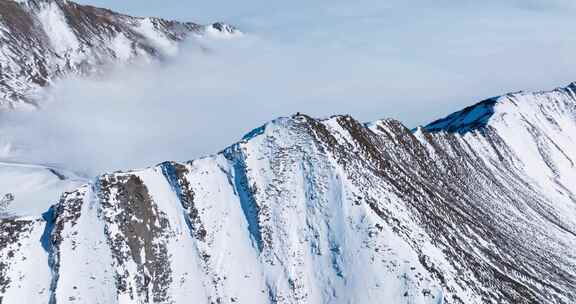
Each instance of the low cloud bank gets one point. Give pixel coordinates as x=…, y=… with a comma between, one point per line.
x=189, y=106
x=414, y=67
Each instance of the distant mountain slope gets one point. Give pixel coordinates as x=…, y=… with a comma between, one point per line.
x=476, y=208
x=41, y=40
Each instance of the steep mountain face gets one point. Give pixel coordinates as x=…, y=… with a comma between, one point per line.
x=478, y=207
x=42, y=40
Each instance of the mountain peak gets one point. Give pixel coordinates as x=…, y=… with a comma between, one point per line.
x=470, y=118
x=491, y=111
x=222, y=30
x=572, y=86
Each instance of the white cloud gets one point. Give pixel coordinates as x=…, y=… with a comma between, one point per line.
x=195, y=104
x=411, y=62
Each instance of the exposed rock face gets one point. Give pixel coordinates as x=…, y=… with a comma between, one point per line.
x=41, y=40
x=475, y=208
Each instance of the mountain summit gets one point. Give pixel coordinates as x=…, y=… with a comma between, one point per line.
x=42, y=40
x=475, y=208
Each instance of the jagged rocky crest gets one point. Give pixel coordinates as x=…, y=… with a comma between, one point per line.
x=42, y=40
x=475, y=208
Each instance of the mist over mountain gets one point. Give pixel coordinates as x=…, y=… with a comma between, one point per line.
x=104, y=197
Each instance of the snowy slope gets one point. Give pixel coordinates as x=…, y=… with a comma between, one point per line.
x=475, y=208
x=33, y=188
x=41, y=40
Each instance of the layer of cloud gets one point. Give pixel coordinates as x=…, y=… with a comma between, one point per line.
x=372, y=60
x=192, y=105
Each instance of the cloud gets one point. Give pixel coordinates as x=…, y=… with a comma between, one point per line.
x=195, y=104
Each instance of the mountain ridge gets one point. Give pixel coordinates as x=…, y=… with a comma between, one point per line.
x=322, y=210
x=44, y=40
x=477, y=207
x=478, y=115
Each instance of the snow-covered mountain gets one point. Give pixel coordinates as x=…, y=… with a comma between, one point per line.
x=479, y=207
x=42, y=40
